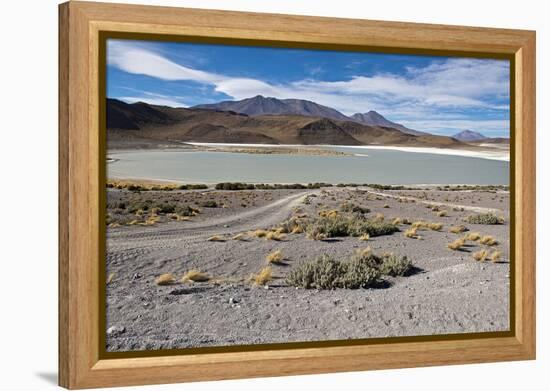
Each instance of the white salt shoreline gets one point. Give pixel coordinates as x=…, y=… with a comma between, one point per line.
x=490, y=155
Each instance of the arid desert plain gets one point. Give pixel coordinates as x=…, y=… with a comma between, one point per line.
x=238, y=264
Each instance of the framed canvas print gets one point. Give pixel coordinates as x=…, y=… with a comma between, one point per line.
x=247, y=195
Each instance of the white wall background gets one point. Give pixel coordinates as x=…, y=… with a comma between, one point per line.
x=28, y=127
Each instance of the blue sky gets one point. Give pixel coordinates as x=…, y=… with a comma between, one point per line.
x=441, y=95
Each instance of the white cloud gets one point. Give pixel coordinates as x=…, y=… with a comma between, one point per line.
x=422, y=92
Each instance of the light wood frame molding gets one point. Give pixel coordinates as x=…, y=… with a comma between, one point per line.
x=80, y=218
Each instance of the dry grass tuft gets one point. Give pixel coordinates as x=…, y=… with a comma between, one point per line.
x=379, y=218
x=274, y=235
x=435, y=226
x=397, y=221
x=316, y=235
x=297, y=230
x=419, y=224
x=481, y=255
x=488, y=240
x=195, y=276
x=165, y=279
x=458, y=229
x=111, y=278
x=495, y=256
x=240, y=236
x=442, y=213
x=328, y=213
x=456, y=245
x=275, y=257
x=260, y=233
x=473, y=236
x=216, y=238
x=264, y=276
x=412, y=233
x=386, y=206
x=364, y=237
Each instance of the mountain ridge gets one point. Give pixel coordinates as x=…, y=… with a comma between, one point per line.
x=147, y=123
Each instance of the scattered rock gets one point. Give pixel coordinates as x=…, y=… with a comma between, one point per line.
x=115, y=330
x=232, y=300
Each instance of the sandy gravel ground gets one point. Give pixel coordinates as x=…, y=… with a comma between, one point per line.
x=449, y=293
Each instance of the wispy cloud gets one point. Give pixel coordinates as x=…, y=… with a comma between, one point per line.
x=419, y=92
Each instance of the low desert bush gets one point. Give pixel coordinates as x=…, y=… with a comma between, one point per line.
x=393, y=265
x=487, y=219
x=456, y=244
x=348, y=207
x=442, y=213
x=195, y=276
x=364, y=237
x=209, y=204
x=339, y=226
x=165, y=279
x=362, y=270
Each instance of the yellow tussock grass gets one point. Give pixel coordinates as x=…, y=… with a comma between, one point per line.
x=364, y=237
x=240, y=236
x=111, y=278
x=264, y=276
x=495, y=256
x=458, y=229
x=165, y=279
x=259, y=233
x=412, y=233
x=488, y=240
x=456, y=244
x=195, y=276
x=435, y=226
x=275, y=236
x=473, y=236
x=216, y=238
x=275, y=257
x=481, y=255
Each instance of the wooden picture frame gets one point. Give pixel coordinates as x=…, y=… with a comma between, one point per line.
x=81, y=24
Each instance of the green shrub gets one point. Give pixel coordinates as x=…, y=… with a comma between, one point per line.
x=186, y=210
x=209, y=204
x=487, y=218
x=325, y=272
x=393, y=265
x=356, y=225
x=362, y=270
x=353, y=208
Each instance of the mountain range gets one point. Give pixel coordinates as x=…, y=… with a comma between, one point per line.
x=288, y=121
x=260, y=105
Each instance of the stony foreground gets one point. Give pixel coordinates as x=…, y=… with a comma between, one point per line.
x=449, y=292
